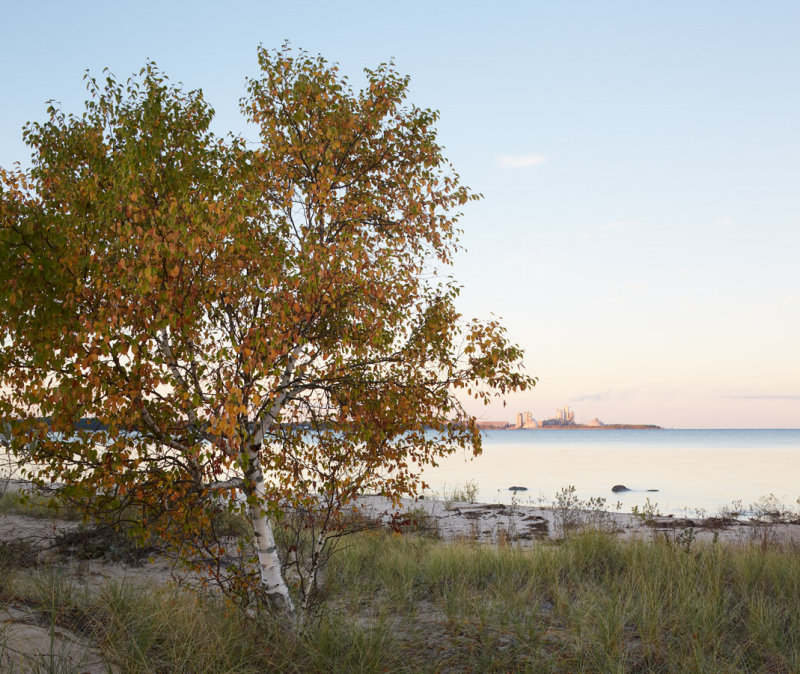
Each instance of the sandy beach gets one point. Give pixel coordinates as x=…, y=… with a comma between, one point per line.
x=496, y=523
x=523, y=526
x=527, y=525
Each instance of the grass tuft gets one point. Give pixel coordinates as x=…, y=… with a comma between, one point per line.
x=409, y=602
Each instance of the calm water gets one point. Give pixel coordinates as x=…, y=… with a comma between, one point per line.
x=692, y=469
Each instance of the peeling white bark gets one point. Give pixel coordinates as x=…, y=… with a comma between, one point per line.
x=269, y=564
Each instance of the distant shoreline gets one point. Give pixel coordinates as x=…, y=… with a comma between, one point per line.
x=496, y=426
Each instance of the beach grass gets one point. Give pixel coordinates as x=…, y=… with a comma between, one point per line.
x=589, y=603
x=39, y=505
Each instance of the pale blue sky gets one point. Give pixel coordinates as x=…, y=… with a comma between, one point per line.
x=639, y=161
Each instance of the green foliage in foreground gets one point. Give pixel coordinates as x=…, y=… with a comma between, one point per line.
x=405, y=603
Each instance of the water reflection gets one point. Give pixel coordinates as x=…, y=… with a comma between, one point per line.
x=696, y=469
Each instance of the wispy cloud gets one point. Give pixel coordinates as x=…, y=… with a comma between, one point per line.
x=768, y=396
x=517, y=161
x=723, y=221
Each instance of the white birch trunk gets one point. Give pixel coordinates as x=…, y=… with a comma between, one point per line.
x=269, y=564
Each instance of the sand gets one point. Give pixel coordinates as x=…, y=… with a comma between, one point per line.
x=29, y=643
x=526, y=525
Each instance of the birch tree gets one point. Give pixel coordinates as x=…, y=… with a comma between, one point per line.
x=265, y=325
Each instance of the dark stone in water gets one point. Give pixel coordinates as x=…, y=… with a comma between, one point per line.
x=515, y=488
x=652, y=490
x=619, y=487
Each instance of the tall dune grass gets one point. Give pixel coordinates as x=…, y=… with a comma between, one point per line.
x=591, y=603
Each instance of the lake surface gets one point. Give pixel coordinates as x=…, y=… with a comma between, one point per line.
x=692, y=469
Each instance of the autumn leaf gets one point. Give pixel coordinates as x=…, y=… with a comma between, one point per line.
x=255, y=324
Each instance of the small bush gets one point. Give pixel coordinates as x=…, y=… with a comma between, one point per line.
x=648, y=513
x=109, y=543
x=415, y=520
x=572, y=514
x=17, y=554
x=770, y=509
x=466, y=493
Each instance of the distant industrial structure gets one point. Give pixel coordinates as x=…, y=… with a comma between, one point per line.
x=527, y=421
x=565, y=418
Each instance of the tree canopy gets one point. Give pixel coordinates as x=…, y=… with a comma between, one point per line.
x=264, y=324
